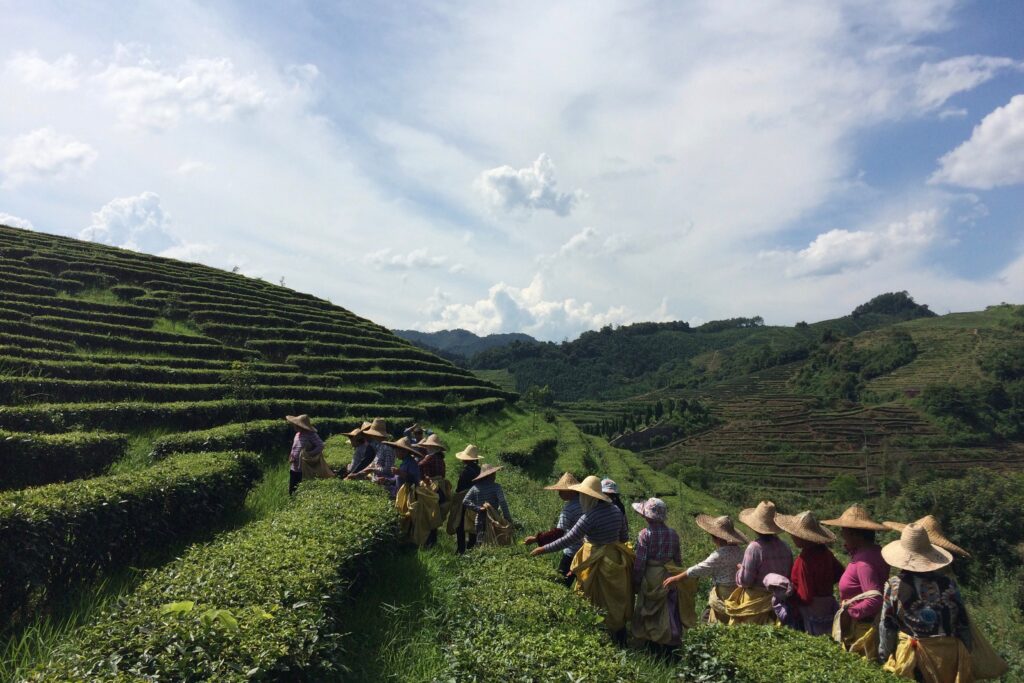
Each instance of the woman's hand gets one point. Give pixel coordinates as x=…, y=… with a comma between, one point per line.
x=537, y=551
x=673, y=579
x=529, y=540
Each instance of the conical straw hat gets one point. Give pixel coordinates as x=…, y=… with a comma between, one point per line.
x=301, y=421
x=403, y=445
x=855, y=517
x=358, y=430
x=806, y=526
x=432, y=442
x=721, y=527
x=762, y=518
x=591, y=486
x=914, y=552
x=934, y=529
x=487, y=471
x=469, y=453
x=377, y=428
x=564, y=483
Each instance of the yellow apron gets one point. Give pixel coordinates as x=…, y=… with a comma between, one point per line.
x=750, y=606
x=604, y=574
x=942, y=659
x=985, y=661
x=419, y=512
x=455, y=513
x=497, y=531
x=651, y=617
x=717, y=612
x=440, y=485
x=860, y=638
x=314, y=467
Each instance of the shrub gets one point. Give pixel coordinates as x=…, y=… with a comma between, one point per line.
x=52, y=537
x=258, y=603
x=36, y=459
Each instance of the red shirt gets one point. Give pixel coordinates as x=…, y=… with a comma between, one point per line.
x=815, y=571
x=432, y=465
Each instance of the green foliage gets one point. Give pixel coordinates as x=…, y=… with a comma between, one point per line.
x=845, y=489
x=36, y=459
x=257, y=603
x=53, y=537
x=982, y=412
x=840, y=369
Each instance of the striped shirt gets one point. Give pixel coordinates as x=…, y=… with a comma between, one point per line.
x=310, y=441
x=765, y=555
x=719, y=566
x=656, y=543
x=603, y=524
x=488, y=491
x=567, y=518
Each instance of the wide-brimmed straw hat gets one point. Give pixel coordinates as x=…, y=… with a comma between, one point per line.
x=591, y=486
x=564, y=483
x=915, y=552
x=403, y=444
x=301, y=421
x=935, y=534
x=805, y=526
x=855, y=517
x=377, y=428
x=487, y=471
x=721, y=527
x=469, y=454
x=358, y=430
x=653, y=509
x=432, y=442
x=609, y=486
x=762, y=518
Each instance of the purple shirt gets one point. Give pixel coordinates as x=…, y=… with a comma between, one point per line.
x=765, y=555
x=656, y=543
x=867, y=571
x=311, y=441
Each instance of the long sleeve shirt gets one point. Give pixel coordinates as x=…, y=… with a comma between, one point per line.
x=310, y=441
x=362, y=456
x=655, y=543
x=814, y=572
x=719, y=566
x=432, y=465
x=922, y=605
x=867, y=571
x=603, y=524
x=567, y=518
x=488, y=491
x=409, y=471
x=469, y=472
x=384, y=460
x=765, y=555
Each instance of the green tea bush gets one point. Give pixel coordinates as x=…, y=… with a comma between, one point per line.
x=103, y=328
x=37, y=459
x=310, y=363
x=127, y=292
x=53, y=537
x=441, y=393
x=81, y=305
x=259, y=603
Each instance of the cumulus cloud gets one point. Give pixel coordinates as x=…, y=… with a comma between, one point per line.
x=138, y=223
x=526, y=189
x=15, y=222
x=841, y=250
x=58, y=75
x=148, y=95
x=44, y=153
x=522, y=309
x=938, y=81
x=994, y=154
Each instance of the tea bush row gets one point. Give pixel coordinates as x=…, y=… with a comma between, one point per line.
x=82, y=305
x=28, y=459
x=318, y=364
x=53, y=537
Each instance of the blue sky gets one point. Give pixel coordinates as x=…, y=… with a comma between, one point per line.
x=529, y=166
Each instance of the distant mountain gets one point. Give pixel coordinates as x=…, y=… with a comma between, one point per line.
x=461, y=343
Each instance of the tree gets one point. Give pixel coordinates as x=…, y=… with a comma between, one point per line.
x=845, y=489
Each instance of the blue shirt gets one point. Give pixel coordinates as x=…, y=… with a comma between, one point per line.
x=409, y=471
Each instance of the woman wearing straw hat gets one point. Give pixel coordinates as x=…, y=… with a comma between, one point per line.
x=611, y=489
x=855, y=626
x=485, y=498
x=470, y=459
x=656, y=617
x=751, y=602
x=306, y=456
x=432, y=466
x=603, y=566
x=935, y=534
x=719, y=566
x=569, y=515
x=380, y=469
x=814, y=573
x=417, y=505
x=362, y=450
x=924, y=632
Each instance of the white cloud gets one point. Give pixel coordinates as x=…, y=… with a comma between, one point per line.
x=44, y=153
x=526, y=189
x=191, y=166
x=994, y=154
x=58, y=75
x=15, y=222
x=148, y=95
x=937, y=82
x=522, y=309
x=840, y=250
x=138, y=223
x=418, y=258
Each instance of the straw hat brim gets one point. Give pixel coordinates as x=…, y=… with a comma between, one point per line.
x=564, y=483
x=294, y=419
x=580, y=488
x=488, y=471
x=402, y=447
x=379, y=435
x=462, y=455
x=935, y=538
x=844, y=522
x=898, y=556
x=707, y=523
x=749, y=517
x=791, y=526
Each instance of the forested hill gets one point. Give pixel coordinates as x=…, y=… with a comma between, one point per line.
x=461, y=345
x=634, y=359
